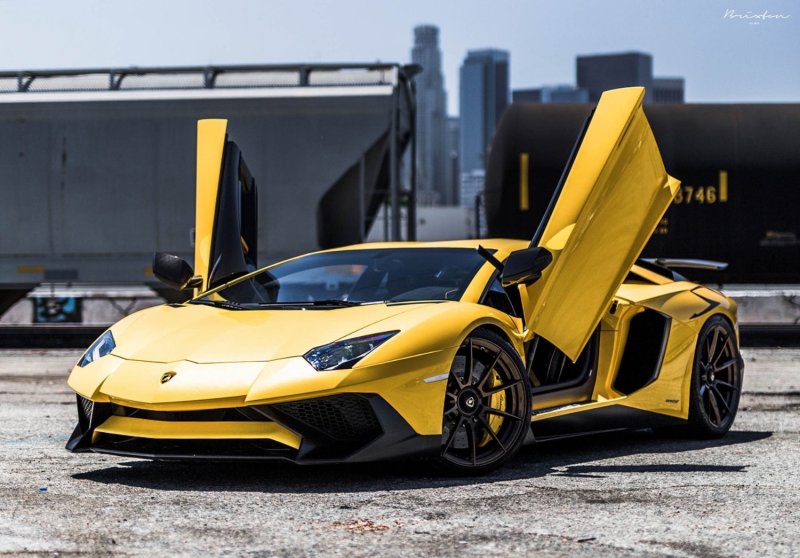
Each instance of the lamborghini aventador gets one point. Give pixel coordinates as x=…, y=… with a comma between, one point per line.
x=461, y=351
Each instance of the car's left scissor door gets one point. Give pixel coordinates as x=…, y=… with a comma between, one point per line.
x=226, y=218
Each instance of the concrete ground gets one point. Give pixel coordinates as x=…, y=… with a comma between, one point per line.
x=628, y=494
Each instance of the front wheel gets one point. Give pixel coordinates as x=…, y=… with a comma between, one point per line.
x=487, y=410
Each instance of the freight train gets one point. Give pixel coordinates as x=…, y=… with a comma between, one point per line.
x=97, y=167
x=739, y=166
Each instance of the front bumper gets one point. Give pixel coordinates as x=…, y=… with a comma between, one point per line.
x=346, y=427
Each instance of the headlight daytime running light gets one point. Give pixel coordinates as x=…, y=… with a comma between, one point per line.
x=100, y=348
x=345, y=354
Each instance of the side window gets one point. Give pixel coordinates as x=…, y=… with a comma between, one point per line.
x=497, y=297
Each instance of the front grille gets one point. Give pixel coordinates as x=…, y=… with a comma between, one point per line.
x=347, y=417
x=233, y=414
x=189, y=449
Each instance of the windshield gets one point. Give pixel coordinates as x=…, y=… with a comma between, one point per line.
x=357, y=277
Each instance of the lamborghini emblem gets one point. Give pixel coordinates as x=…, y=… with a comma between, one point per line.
x=167, y=376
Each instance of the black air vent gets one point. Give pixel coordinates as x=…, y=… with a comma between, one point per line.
x=233, y=414
x=85, y=408
x=644, y=351
x=346, y=418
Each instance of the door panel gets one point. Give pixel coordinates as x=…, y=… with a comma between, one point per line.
x=226, y=226
x=611, y=200
x=210, y=148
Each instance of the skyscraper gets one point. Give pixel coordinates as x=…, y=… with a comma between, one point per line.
x=432, y=154
x=484, y=97
x=599, y=72
x=453, y=141
x=668, y=90
x=551, y=94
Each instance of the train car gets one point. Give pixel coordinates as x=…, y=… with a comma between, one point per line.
x=97, y=166
x=739, y=166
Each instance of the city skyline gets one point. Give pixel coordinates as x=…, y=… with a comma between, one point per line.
x=723, y=59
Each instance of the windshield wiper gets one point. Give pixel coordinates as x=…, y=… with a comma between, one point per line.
x=331, y=302
x=337, y=302
x=227, y=304
x=323, y=303
x=421, y=301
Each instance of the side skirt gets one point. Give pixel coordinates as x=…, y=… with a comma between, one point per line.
x=602, y=419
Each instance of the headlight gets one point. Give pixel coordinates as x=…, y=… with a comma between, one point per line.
x=345, y=354
x=101, y=347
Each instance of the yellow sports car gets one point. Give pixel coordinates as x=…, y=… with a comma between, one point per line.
x=458, y=350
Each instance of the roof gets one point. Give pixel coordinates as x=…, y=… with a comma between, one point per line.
x=500, y=244
x=200, y=82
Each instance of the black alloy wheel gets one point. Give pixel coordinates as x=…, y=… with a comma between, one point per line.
x=487, y=409
x=716, y=380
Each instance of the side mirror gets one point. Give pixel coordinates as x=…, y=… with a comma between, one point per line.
x=525, y=266
x=174, y=272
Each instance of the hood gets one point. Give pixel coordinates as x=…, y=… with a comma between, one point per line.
x=205, y=334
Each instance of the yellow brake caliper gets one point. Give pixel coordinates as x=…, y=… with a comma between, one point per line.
x=496, y=401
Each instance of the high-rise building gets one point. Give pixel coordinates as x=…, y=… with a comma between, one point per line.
x=453, y=141
x=472, y=184
x=599, y=72
x=551, y=94
x=668, y=90
x=484, y=96
x=432, y=157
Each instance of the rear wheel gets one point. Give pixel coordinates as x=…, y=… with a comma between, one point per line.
x=487, y=408
x=716, y=380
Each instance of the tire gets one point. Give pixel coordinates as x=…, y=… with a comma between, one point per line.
x=487, y=408
x=716, y=381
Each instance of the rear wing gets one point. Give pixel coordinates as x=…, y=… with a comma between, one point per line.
x=666, y=266
x=688, y=263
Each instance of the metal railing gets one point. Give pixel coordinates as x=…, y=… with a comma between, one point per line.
x=204, y=77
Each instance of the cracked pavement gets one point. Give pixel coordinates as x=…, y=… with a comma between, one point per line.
x=627, y=494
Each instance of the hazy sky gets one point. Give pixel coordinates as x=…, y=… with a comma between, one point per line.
x=723, y=59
